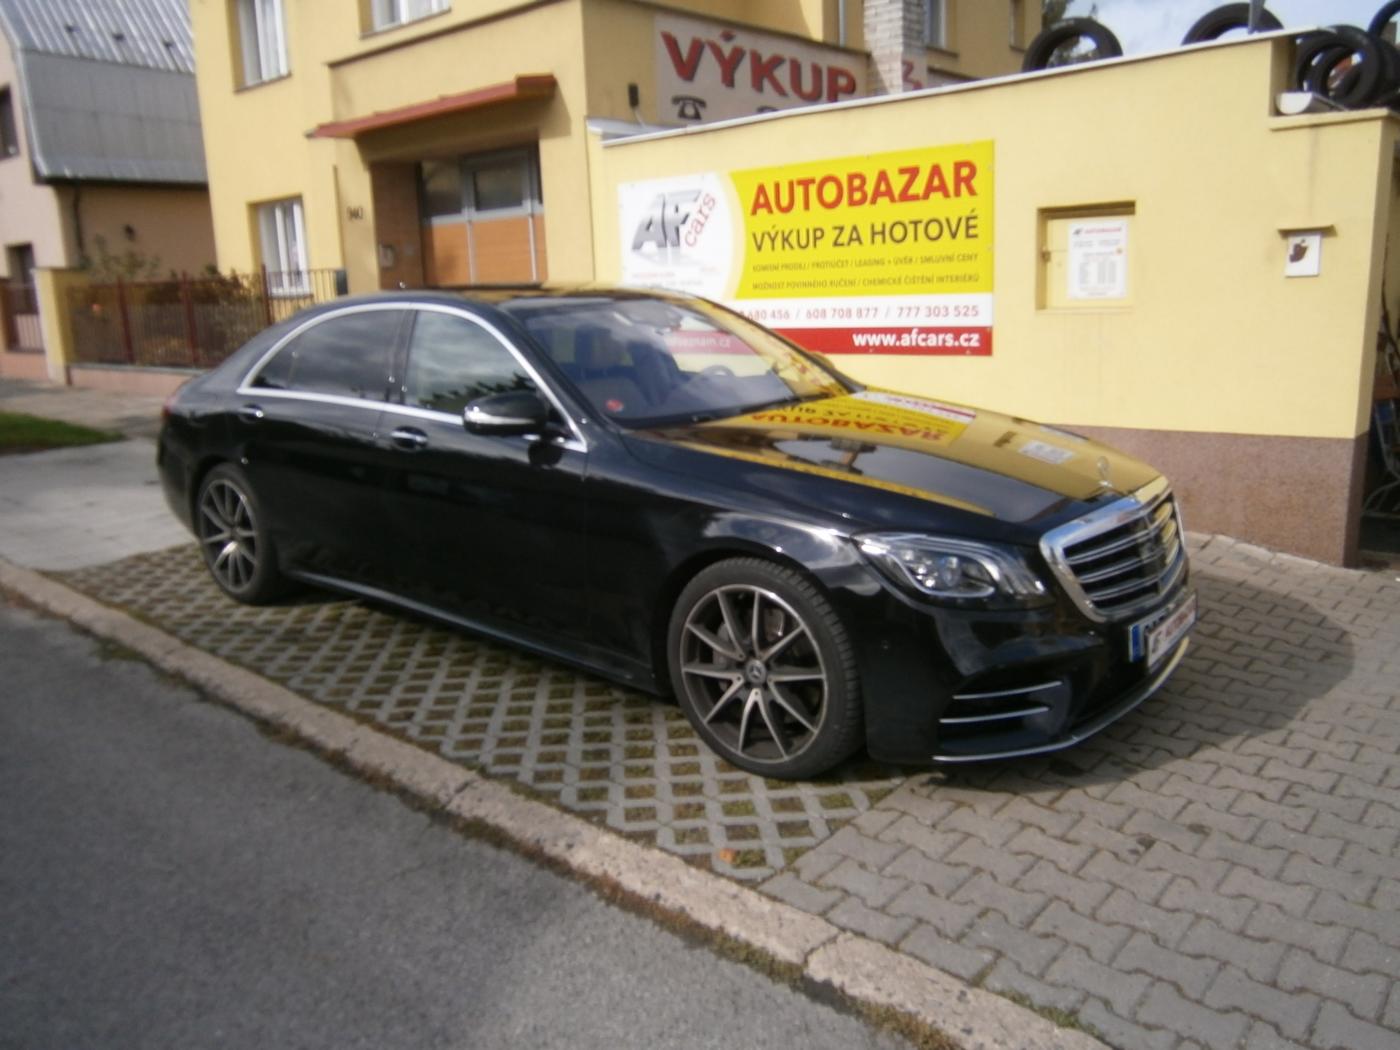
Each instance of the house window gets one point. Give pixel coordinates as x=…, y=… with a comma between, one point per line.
x=386, y=13
x=282, y=231
x=935, y=23
x=263, y=38
x=494, y=185
x=9, y=140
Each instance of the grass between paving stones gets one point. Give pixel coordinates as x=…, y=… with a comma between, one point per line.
x=1053, y=1014
x=23, y=433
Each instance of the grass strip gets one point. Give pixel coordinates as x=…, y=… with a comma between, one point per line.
x=25, y=433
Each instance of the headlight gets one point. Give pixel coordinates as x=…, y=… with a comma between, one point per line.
x=953, y=570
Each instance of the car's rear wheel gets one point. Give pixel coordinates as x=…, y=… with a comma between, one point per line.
x=233, y=538
x=764, y=669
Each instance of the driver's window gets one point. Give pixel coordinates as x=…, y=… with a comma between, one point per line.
x=452, y=361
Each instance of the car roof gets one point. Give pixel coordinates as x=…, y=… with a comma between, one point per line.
x=502, y=295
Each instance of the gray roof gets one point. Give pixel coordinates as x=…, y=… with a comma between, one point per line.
x=150, y=33
x=108, y=89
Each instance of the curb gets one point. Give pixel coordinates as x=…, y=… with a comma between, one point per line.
x=871, y=976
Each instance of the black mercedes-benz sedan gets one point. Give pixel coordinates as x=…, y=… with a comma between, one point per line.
x=652, y=487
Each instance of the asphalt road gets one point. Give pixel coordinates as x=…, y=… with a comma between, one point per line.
x=169, y=877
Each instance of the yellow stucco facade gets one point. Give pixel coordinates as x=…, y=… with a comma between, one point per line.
x=1209, y=198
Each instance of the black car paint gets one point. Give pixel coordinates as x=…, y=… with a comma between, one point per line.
x=578, y=555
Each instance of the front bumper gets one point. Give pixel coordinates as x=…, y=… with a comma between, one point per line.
x=945, y=685
x=1091, y=725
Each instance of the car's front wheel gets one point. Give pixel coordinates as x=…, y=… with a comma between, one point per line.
x=233, y=538
x=764, y=669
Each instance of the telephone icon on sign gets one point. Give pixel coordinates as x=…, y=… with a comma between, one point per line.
x=689, y=107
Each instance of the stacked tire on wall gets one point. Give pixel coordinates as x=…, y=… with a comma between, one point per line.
x=1351, y=67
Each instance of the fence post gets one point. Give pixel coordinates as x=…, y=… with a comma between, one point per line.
x=191, y=332
x=126, y=322
x=267, y=296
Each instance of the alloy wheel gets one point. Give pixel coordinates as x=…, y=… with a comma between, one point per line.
x=229, y=535
x=754, y=673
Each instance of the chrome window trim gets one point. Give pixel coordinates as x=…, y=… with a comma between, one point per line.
x=1129, y=509
x=306, y=395
x=577, y=443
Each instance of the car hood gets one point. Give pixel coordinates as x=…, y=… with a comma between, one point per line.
x=977, y=461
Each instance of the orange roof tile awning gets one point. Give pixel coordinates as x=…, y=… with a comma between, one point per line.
x=541, y=85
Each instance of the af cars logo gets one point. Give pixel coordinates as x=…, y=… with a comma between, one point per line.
x=665, y=221
x=677, y=233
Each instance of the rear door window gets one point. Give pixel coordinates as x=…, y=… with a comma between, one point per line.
x=344, y=356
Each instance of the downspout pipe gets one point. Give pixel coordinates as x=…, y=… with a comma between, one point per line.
x=78, y=222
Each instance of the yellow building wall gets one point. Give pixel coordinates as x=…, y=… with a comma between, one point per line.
x=547, y=39
x=1214, y=337
x=257, y=137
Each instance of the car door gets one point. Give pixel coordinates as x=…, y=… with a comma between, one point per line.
x=306, y=426
x=492, y=526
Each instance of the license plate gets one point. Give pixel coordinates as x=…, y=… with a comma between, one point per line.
x=1156, y=636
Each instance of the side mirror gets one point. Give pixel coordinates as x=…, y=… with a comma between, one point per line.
x=515, y=412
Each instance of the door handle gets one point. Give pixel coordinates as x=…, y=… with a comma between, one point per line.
x=251, y=413
x=410, y=439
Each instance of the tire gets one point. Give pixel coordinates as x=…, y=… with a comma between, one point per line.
x=1227, y=17
x=1389, y=88
x=1382, y=17
x=1309, y=53
x=1319, y=55
x=764, y=669
x=1042, y=49
x=233, y=538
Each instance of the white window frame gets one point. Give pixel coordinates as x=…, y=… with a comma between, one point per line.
x=385, y=14
x=282, y=237
x=262, y=34
x=936, y=23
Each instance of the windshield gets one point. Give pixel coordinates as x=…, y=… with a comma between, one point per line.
x=645, y=362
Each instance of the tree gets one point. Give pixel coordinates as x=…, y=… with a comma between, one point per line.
x=1052, y=11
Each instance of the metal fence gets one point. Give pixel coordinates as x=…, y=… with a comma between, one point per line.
x=187, y=322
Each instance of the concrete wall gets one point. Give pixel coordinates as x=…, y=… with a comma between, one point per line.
x=1249, y=388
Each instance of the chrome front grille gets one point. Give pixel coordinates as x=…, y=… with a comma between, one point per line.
x=1123, y=558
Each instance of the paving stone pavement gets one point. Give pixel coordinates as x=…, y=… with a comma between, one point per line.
x=609, y=753
x=1217, y=870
